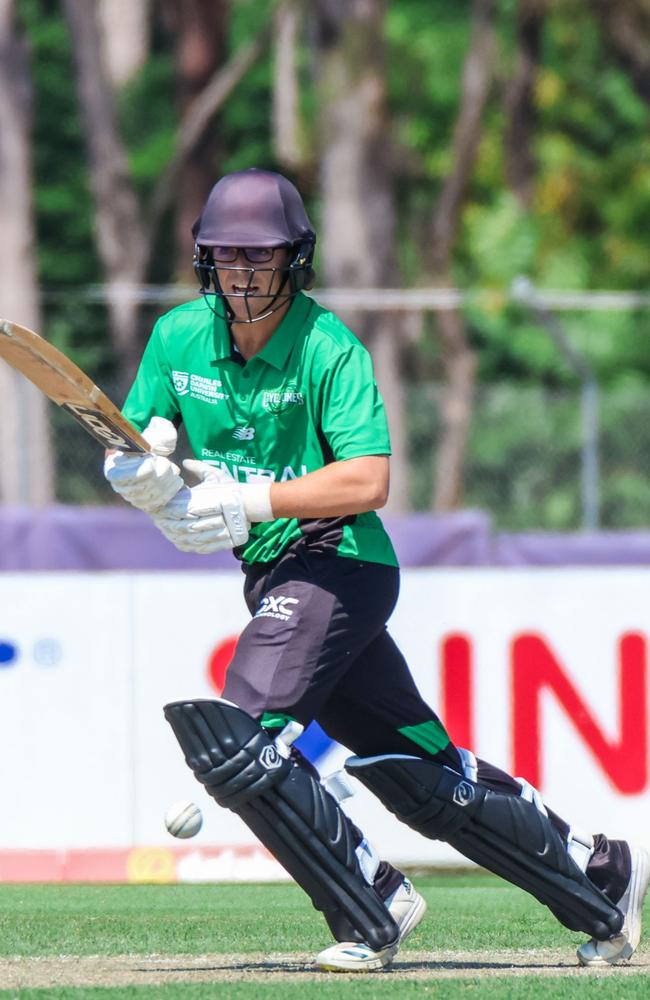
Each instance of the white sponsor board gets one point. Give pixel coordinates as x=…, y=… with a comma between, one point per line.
x=543, y=671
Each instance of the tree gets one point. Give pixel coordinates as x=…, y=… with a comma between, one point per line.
x=121, y=237
x=358, y=215
x=125, y=35
x=26, y=474
x=627, y=27
x=520, y=107
x=199, y=33
x=126, y=234
x=458, y=359
x=287, y=138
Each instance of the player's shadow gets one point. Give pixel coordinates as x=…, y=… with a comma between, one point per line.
x=508, y=965
x=284, y=967
x=424, y=965
x=268, y=965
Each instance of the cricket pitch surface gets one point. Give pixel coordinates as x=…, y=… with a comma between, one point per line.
x=153, y=970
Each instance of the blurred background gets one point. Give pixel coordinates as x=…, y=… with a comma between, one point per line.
x=478, y=174
x=479, y=177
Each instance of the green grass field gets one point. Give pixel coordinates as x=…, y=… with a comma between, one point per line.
x=479, y=938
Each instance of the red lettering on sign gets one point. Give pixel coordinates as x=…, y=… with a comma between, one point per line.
x=219, y=662
x=457, y=689
x=535, y=669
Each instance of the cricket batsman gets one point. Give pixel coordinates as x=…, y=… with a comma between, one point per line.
x=291, y=448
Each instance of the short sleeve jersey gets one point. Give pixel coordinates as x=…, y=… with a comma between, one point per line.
x=308, y=398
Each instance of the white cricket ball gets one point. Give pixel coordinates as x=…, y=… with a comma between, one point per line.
x=183, y=819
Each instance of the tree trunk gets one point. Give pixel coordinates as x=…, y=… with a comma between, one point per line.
x=519, y=103
x=626, y=25
x=197, y=120
x=125, y=241
x=286, y=110
x=358, y=228
x=199, y=31
x=125, y=37
x=26, y=468
x=121, y=238
x=458, y=359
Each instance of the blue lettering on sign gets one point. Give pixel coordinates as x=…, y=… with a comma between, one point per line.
x=8, y=654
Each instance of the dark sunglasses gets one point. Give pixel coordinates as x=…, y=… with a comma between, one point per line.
x=254, y=255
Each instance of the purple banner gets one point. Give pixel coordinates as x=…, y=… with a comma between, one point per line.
x=116, y=538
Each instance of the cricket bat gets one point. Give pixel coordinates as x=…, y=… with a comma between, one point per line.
x=67, y=386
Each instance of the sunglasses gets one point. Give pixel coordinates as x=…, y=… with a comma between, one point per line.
x=254, y=255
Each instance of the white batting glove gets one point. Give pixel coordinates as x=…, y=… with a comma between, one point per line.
x=241, y=504
x=147, y=481
x=202, y=533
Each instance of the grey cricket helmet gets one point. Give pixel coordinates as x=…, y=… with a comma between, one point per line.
x=253, y=208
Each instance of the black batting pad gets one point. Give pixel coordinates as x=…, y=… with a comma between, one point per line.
x=504, y=833
x=290, y=812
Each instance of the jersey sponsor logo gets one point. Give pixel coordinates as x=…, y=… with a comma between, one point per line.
x=276, y=607
x=237, y=466
x=279, y=400
x=244, y=433
x=206, y=390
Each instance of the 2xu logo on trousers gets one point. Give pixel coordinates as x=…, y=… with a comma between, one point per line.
x=276, y=607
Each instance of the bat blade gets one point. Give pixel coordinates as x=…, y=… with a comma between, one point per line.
x=66, y=385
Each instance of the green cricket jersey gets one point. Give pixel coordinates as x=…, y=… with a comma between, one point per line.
x=307, y=399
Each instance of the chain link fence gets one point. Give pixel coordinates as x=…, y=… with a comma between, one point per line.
x=525, y=456
x=532, y=460
x=523, y=463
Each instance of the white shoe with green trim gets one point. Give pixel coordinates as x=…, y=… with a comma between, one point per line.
x=622, y=947
x=406, y=907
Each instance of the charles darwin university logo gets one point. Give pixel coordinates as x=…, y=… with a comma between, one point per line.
x=276, y=607
x=181, y=382
x=206, y=390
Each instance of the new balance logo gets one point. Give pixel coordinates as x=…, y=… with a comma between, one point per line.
x=244, y=433
x=276, y=607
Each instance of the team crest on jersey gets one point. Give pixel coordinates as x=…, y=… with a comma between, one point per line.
x=181, y=382
x=279, y=400
x=206, y=390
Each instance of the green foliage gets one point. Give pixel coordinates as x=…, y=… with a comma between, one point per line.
x=586, y=228
x=501, y=240
x=63, y=204
x=147, y=127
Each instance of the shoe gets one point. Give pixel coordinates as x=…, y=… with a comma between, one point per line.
x=622, y=947
x=406, y=907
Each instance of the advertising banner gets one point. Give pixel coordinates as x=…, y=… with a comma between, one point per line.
x=543, y=672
